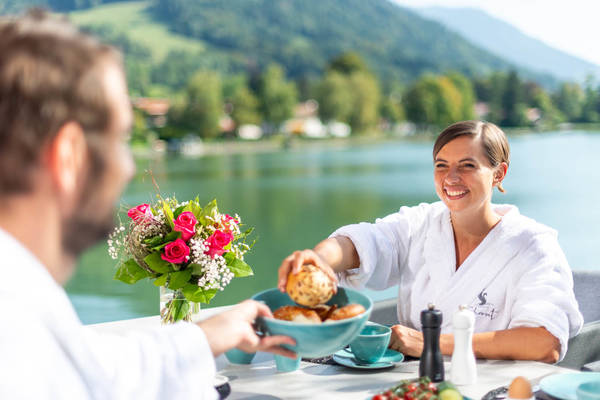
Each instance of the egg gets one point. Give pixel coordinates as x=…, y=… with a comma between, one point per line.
x=310, y=286
x=520, y=388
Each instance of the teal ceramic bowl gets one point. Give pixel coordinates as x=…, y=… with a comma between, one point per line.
x=237, y=356
x=316, y=340
x=589, y=391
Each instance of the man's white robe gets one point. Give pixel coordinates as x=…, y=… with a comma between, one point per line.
x=46, y=353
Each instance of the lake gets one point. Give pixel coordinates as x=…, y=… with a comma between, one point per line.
x=297, y=197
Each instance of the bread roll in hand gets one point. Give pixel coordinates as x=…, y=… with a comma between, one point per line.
x=310, y=286
x=297, y=314
x=349, y=311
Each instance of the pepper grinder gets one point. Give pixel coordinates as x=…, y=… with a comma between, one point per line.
x=431, y=363
x=463, y=370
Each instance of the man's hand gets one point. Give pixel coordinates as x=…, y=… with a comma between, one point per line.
x=294, y=261
x=406, y=340
x=233, y=328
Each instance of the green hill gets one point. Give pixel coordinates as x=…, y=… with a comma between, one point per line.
x=302, y=35
x=135, y=21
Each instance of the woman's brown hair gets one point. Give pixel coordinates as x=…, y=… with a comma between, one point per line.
x=495, y=143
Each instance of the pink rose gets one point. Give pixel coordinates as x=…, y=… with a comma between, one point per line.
x=176, y=252
x=141, y=211
x=227, y=218
x=216, y=242
x=185, y=223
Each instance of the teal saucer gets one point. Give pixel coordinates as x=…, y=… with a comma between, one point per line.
x=389, y=359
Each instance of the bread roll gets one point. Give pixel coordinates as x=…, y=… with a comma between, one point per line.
x=348, y=311
x=310, y=286
x=297, y=314
x=324, y=310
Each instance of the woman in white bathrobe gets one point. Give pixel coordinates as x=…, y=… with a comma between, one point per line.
x=508, y=268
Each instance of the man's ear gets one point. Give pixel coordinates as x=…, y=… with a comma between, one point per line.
x=66, y=157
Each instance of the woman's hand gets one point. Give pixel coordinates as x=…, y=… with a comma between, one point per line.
x=406, y=340
x=233, y=328
x=294, y=261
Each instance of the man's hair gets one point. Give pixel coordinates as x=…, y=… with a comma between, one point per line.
x=50, y=74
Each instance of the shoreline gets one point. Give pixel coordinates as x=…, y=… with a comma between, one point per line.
x=278, y=143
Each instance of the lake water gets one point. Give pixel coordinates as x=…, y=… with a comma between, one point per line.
x=296, y=198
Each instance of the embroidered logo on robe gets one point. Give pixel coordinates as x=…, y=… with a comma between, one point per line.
x=483, y=308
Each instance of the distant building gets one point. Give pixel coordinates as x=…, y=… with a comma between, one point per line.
x=533, y=114
x=250, y=132
x=481, y=110
x=306, y=121
x=156, y=109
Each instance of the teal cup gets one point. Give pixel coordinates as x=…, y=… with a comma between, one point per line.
x=285, y=364
x=588, y=391
x=236, y=356
x=371, y=343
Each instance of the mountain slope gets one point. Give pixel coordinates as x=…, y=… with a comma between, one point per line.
x=504, y=39
x=303, y=35
x=134, y=20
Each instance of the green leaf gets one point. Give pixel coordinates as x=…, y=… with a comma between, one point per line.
x=156, y=263
x=180, y=309
x=209, y=210
x=196, y=269
x=179, y=279
x=154, y=241
x=172, y=236
x=237, y=266
x=195, y=208
x=130, y=272
x=161, y=280
x=168, y=213
x=198, y=295
x=178, y=211
x=189, y=207
x=160, y=246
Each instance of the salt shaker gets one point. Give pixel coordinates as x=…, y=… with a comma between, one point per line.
x=463, y=369
x=431, y=363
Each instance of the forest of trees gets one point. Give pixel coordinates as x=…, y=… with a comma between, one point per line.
x=403, y=68
x=349, y=92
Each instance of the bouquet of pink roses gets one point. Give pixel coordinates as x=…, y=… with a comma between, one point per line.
x=194, y=251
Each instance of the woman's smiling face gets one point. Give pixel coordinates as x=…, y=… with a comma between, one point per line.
x=463, y=175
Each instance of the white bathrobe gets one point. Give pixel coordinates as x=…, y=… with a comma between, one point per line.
x=46, y=353
x=517, y=276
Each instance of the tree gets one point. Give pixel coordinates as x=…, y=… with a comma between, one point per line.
x=512, y=102
x=348, y=63
x=433, y=100
x=335, y=97
x=202, y=105
x=245, y=107
x=541, y=100
x=365, y=101
x=590, y=109
x=277, y=95
x=467, y=94
x=569, y=100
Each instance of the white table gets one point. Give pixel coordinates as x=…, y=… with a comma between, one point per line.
x=261, y=380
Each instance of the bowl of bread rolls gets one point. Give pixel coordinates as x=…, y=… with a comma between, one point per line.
x=320, y=321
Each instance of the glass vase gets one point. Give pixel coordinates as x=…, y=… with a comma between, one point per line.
x=174, y=307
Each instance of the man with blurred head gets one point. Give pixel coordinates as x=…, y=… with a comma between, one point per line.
x=65, y=118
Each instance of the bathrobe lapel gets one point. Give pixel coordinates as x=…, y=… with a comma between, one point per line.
x=438, y=281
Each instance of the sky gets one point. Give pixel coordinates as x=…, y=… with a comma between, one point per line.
x=569, y=25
